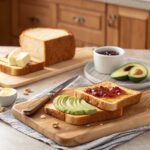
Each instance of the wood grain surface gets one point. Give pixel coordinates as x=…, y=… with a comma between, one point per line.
x=81, y=58
x=70, y=135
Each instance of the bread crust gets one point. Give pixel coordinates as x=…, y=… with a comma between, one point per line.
x=59, y=50
x=82, y=119
x=131, y=98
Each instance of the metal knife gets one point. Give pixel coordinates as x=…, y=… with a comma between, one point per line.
x=38, y=103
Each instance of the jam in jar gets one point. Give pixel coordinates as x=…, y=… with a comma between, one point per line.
x=108, y=52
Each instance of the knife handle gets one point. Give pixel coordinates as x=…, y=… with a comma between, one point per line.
x=35, y=105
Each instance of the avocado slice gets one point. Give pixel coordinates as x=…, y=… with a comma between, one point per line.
x=73, y=105
x=121, y=74
x=138, y=73
x=59, y=102
x=89, y=109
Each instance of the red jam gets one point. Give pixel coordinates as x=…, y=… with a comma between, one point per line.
x=108, y=52
x=104, y=92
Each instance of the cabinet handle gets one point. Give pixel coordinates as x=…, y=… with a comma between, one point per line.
x=34, y=20
x=112, y=20
x=78, y=19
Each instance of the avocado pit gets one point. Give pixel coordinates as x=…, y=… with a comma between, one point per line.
x=138, y=72
x=128, y=68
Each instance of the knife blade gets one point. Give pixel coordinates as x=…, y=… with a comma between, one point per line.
x=38, y=103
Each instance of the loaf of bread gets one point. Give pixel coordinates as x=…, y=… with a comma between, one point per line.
x=129, y=97
x=48, y=45
x=100, y=115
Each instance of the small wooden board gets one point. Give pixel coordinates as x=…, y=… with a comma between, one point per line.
x=71, y=135
x=81, y=57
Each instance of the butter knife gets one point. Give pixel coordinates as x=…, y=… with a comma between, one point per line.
x=38, y=103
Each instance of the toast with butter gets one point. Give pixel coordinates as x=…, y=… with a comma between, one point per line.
x=32, y=66
x=108, y=96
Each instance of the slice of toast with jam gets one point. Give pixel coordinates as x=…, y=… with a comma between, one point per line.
x=108, y=96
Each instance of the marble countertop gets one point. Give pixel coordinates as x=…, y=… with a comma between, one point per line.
x=11, y=139
x=141, y=4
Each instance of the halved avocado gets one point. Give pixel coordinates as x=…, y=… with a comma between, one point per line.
x=138, y=73
x=121, y=74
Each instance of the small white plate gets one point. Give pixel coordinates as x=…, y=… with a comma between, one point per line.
x=96, y=77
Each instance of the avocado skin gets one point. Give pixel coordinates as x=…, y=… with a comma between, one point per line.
x=72, y=105
x=136, y=80
x=121, y=78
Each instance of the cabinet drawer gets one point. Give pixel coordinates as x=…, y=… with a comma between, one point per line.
x=85, y=34
x=81, y=17
x=34, y=15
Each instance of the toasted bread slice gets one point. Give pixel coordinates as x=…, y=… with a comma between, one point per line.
x=100, y=115
x=33, y=66
x=110, y=104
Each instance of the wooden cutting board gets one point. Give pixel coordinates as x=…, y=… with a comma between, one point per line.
x=71, y=135
x=81, y=57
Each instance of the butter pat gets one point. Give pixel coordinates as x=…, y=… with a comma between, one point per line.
x=22, y=59
x=18, y=58
x=12, y=57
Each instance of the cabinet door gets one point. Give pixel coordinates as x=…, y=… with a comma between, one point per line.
x=4, y=22
x=27, y=14
x=148, y=40
x=127, y=27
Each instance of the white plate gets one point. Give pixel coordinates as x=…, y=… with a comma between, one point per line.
x=96, y=77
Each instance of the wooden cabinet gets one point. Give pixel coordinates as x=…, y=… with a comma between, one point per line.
x=127, y=27
x=86, y=24
x=28, y=14
x=93, y=23
x=5, y=22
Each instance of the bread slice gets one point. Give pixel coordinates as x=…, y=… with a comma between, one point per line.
x=100, y=115
x=33, y=66
x=48, y=45
x=109, y=104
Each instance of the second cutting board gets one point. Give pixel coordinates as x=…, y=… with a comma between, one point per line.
x=82, y=56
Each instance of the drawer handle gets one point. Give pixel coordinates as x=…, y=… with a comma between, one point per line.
x=112, y=20
x=34, y=20
x=78, y=19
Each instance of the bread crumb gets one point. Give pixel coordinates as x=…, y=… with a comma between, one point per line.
x=2, y=109
x=25, y=93
x=42, y=116
x=28, y=90
x=55, y=125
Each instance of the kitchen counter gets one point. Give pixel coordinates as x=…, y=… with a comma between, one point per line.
x=141, y=4
x=10, y=139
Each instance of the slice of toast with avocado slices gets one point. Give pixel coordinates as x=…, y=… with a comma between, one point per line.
x=79, y=113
